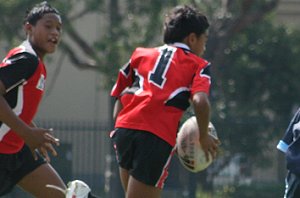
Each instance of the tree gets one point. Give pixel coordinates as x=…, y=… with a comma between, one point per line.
x=133, y=23
x=259, y=81
x=244, y=46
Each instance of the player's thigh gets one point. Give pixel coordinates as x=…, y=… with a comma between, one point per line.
x=36, y=181
x=124, y=176
x=137, y=189
x=152, y=158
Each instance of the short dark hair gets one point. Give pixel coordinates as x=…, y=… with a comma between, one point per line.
x=38, y=11
x=181, y=21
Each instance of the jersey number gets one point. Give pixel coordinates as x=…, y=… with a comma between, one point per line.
x=158, y=75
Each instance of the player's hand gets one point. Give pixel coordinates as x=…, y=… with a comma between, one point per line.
x=43, y=141
x=210, y=146
x=44, y=151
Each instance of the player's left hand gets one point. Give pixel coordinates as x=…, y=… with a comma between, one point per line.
x=43, y=150
x=42, y=140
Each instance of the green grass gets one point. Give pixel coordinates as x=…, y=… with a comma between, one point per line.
x=255, y=190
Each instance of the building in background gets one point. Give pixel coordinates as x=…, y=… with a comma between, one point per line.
x=288, y=13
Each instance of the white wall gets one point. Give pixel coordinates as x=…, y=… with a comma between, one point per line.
x=75, y=94
x=288, y=13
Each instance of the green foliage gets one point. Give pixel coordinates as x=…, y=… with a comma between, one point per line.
x=135, y=24
x=12, y=15
x=260, y=78
x=257, y=87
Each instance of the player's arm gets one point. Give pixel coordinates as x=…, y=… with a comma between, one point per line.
x=117, y=108
x=124, y=80
x=11, y=77
x=201, y=106
x=288, y=137
x=12, y=74
x=26, y=132
x=8, y=117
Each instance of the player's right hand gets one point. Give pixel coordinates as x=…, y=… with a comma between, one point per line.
x=210, y=146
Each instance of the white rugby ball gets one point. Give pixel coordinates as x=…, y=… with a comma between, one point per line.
x=189, y=150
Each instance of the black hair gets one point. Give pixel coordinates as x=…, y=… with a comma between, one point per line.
x=38, y=11
x=181, y=21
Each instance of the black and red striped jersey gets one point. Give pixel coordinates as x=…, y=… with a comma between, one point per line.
x=155, y=86
x=23, y=75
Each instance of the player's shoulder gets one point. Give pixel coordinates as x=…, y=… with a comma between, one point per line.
x=193, y=61
x=21, y=54
x=25, y=47
x=198, y=60
x=185, y=54
x=142, y=51
x=21, y=58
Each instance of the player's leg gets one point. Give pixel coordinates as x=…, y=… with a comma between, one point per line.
x=36, y=181
x=6, y=181
x=124, y=175
x=137, y=189
x=33, y=175
x=122, y=140
x=292, y=189
x=146, y=156
x=152, y=157
x=21, y=168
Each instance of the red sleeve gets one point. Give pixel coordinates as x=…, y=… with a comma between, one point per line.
x=202, y=80
x=124, y=80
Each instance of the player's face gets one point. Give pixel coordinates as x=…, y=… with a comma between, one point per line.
x=45, y=35
x=198, y=44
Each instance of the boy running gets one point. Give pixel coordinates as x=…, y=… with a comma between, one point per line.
x=22, y=83
x=153, y=90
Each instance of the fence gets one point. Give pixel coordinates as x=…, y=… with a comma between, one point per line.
x=85, y=153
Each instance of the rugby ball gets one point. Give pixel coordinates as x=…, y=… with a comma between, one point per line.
x=189, y=150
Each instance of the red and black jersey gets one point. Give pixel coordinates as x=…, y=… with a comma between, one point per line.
x=23, y=75
x=155, y=86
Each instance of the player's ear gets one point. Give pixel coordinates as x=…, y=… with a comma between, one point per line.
x=190, y=39
x=27, y=28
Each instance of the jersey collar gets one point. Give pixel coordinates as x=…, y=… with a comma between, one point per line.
x=181, y=45
x=26, y=46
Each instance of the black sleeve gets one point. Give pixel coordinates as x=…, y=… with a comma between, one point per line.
x=293, y=130
x=17, y=69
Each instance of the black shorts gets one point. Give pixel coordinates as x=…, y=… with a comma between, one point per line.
x=143, y=154
x=13, y=167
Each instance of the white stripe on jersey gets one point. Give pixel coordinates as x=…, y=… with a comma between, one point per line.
x=18, y=110
x=177, y=91
x=3, y=130
x=15, y=85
